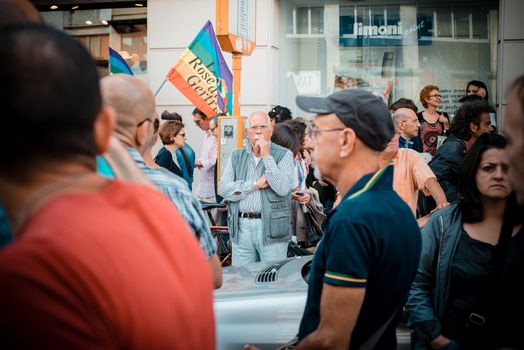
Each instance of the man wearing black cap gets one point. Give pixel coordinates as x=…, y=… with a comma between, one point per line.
x=366, y=262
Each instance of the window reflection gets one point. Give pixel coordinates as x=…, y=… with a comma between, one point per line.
x=122, y=29
x=382, y=47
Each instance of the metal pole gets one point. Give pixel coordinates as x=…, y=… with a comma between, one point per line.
x=237, y=70
x=161, y=86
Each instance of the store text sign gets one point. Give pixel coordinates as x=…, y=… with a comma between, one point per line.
x=357, y=31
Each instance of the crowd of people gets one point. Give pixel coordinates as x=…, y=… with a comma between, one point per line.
x=104, y=245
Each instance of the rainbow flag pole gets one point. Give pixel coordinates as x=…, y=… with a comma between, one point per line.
x=161, y=86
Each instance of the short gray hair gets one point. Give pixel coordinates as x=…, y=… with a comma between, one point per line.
x=268, y=120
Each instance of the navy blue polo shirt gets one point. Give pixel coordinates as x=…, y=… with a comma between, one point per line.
x=371, y=241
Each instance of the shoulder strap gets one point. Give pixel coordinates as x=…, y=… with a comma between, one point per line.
x=186, y=160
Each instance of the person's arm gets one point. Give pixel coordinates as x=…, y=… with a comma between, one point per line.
x=210, y=156
x=444, y=119
x=279, y=176
x=426, y=180
x=436, y=191
x=420, y=303
x=232, y=190
x=216, y=270
x=352, y=249
x=191, y=211
x=339, y=310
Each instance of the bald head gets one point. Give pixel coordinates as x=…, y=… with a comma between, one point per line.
x=132, y=101
x=406, y=122
x=18, y=11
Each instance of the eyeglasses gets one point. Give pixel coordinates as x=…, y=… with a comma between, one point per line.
x=257, y=127
x=436, y=95
x=156, y=123
x=315, y=132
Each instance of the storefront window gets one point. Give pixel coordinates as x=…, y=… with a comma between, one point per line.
x=375, y=47
x=122, y=29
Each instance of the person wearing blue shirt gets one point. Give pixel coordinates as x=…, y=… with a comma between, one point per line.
x=366, y=262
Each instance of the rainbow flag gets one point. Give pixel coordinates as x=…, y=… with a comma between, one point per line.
x=202, y=75
x=117, y=64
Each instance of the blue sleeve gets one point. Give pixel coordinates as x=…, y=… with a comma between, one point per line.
x=350, y=256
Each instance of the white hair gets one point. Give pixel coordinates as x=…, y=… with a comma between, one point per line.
x=268, y=120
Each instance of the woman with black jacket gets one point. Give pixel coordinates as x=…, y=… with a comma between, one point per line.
x=173, y=136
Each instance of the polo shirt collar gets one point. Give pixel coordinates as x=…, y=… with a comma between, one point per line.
x=382, y=178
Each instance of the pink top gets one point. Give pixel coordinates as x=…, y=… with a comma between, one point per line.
x=208, y=157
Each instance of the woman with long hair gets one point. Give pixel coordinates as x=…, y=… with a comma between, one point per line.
x=433, y=123
x=173, y=136
x=464, y=259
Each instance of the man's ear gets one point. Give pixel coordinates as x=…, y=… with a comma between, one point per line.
x=103, y=129
x=142, y=136
x=347, y=142
x=473, y=128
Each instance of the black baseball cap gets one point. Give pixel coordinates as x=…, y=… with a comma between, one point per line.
x=359, y=110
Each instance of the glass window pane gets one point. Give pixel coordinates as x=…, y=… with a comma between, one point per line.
x=444, y=23
x=461, y=23
x=480, y=24
x=317, y=20
x=302, y=20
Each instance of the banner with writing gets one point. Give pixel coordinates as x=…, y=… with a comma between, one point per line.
x=202, y=75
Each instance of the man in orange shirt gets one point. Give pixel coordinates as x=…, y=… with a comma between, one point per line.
x=411, y=174
x=92, y=266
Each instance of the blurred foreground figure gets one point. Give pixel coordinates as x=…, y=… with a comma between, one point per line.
x=137, y=128
x=514, y=130
x=91, y=266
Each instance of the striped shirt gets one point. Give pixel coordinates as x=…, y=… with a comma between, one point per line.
x=279, y=178
x=175, y=188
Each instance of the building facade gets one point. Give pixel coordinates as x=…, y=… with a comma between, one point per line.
x=306, y=46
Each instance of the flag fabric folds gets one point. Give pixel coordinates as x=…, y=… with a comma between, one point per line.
x=117, y=64
x=202, y=75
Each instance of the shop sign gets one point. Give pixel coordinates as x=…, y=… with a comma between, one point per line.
x=360, y=32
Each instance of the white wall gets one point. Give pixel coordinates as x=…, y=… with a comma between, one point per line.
x=511, y=50
x=172, y=25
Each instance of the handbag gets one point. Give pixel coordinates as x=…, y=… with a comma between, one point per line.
x=310, y=218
